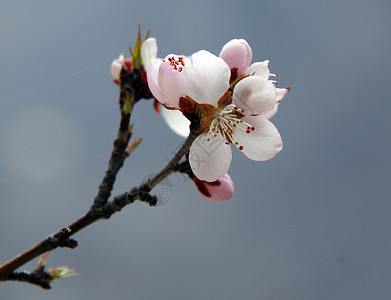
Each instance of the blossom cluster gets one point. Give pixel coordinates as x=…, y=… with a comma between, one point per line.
x=235, y=100
x=231, y=99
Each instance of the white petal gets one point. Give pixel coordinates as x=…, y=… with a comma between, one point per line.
x=116, y=68
x=254, y=95
x=149, y=52
x=267, y=114
x=176, y=121
x=259, y=69
x=210, y=160
x=206, y=77
x=156, y=63
x=281, y=93
x=261, y=144
x=273, y=110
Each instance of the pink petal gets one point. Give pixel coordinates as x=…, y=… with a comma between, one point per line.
x=170, y=79
x=152, y=84
x=176, y=121
x=237, y=54
x=254, y=95
x=206, y=77
x=261, y=144
x=219, y=190
x=259, y=69
x=210, y=160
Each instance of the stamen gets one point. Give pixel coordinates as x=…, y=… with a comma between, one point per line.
x=176, y=63
x=225, y=123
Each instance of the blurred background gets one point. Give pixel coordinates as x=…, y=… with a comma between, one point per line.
x=312, y=223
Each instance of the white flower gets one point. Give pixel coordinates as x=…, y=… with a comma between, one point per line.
x=238, y=117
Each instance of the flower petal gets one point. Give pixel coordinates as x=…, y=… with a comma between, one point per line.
x=210, y=160
x=281, y=93
x=206, y=77
x=259, y=69
x=156, y=63
x=176, y=121
x=261, y=144
x=170, y=79
x=219, y=190
x=254, y=95
x=152, y=84
x=116, y=67
x=237, y=54
x=223, y=191
x=267, y=114
x=149, y=52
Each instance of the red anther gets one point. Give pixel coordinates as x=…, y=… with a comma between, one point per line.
x=241, y=148
x=248, y=131
x=226, y=143
x=252, y=128
x=180, y=69
x=288, y=89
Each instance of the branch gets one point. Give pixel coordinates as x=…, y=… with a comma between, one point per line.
x=38, y=277
x=62, y=238
x=127, y=99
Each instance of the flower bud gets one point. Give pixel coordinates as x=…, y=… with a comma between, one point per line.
x=116, y=67
x=61, y=272
x=219, y=190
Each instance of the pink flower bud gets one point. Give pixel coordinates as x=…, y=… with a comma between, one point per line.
x=116, y=67
x=237, y=54
x=219, y=190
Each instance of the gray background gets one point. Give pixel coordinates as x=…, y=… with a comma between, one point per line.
x=312, y=223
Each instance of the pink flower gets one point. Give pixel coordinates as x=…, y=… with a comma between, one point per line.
x=219, y=190
x=166, y=81
x=235, y=100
